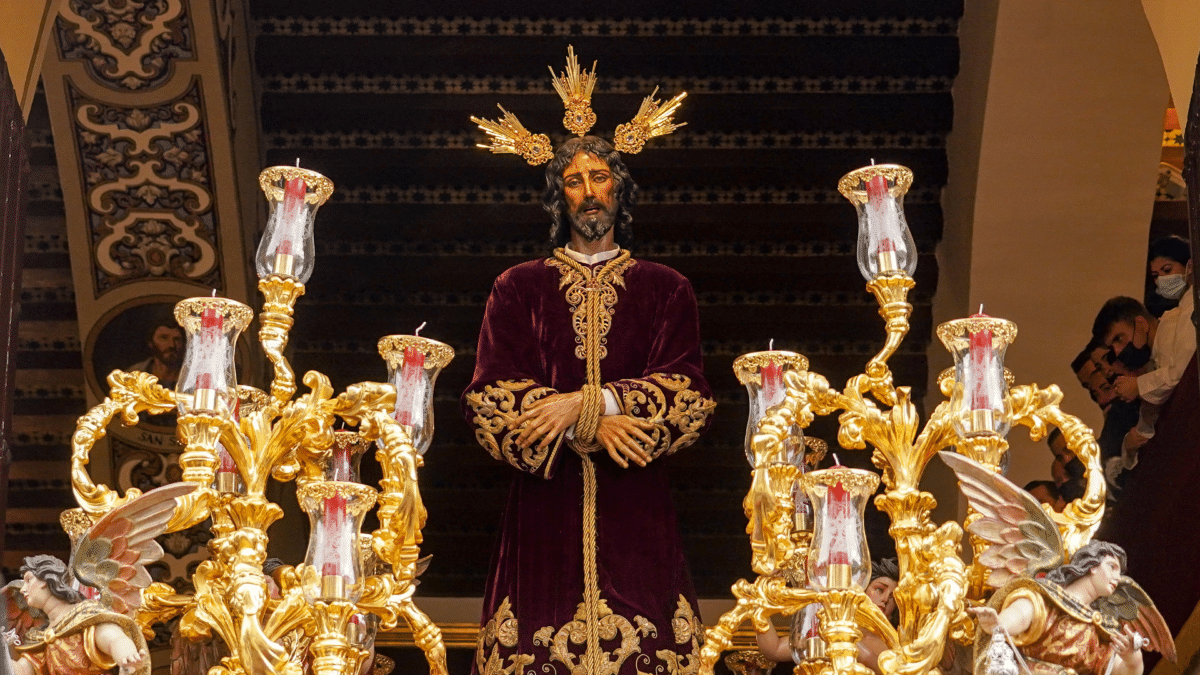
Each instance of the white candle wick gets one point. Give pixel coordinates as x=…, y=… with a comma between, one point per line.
x=836, y=461
x=417, y=332
x=214, y=293
x=771, y=345
x=872, y=161
x=981, y=308
x=297, y=162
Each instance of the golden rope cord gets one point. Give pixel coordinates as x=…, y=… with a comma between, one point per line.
x=590, y=411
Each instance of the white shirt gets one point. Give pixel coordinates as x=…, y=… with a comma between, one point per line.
x=611, y=407
x=1174, y=345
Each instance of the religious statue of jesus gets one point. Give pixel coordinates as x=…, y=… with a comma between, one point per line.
x=588, y=376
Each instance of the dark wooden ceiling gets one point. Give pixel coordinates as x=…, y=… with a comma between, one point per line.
x=784, y=98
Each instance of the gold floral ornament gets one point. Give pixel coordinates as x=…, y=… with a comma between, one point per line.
x=575, y=87
x=652, y=120
x=509, y=136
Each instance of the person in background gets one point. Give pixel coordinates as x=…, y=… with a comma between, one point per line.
x=885, y=576
x=1168, y=261
x=1046, y=492
x=1066, y=470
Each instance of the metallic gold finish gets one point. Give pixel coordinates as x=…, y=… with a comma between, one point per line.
x=961, y=328
x=814, y=648
x=275, y=321
x=575, y=88
x=236, y=315
x=852, y=184
x=268, y=180
x=284, y=264
x=333, y=587
x=652, y=120
x=839, y=575
x=437, y=354
x=749, y=662
x=935, y=583
x=359, y=498
x=509, y=136
x=747, y=366
x=288, y=438
x=204, y=400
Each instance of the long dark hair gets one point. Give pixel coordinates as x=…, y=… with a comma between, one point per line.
x=1087, y=557
x=54, y=572
x=556, y=204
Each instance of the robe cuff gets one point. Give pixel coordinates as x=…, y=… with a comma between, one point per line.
x=494, y=407
x=667, y=401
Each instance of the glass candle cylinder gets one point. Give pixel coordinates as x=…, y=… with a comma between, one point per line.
x=345, y=457
x=762, y=374
x=980, y=404
x=838, y=556
x=414, y=364
x=885, y=245
x=333, y=563
x=805, y=637
x=207, y=379
x=294, y=195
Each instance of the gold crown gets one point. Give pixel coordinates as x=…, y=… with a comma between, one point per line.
x=508, y=136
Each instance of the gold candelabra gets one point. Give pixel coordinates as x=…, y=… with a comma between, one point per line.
x=798, y=567
x=237, y=437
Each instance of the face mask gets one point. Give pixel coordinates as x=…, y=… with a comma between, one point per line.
x=1135, y=357
x=1170, y=286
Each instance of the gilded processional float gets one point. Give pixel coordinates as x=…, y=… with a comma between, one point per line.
x=806, y=526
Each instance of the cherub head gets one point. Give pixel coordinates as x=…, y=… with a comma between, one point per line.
x=885, y=575
x=47, y=577
x=1097, y=565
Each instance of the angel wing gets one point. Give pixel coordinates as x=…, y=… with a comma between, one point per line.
x=1130, y=605
x=112, y=556
x=1024, y=540
x=19, y=616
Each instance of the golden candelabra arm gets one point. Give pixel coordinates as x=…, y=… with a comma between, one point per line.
x=130, y=394
x=279, y=300
x=891, y=291
x=1036, y=408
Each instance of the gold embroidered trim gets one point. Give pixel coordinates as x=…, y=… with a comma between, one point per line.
x=688, y=629
x=688, y=413
x=494, y=408
x=608, y=627
x=578, y=286
x=500, y=631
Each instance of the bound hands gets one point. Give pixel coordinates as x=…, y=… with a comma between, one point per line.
x=623, y=437
x=1128, y=645
x=547, y=419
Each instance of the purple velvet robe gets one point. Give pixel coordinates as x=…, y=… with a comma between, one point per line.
x=530, y=347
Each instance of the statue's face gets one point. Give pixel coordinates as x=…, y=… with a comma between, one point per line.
x=591, y=199
x=1105, y=576
x=35, y=591
x=880, y=592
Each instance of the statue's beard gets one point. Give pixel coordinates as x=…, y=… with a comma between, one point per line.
x=592, y=226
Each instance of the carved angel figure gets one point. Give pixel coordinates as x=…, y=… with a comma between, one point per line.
x=1080, y=617
x=56, y=630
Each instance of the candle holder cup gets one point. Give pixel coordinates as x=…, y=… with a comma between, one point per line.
x=207, y=379
x=333, y=566
x=980, y=403
x=838, y=557
x=885, y=244
x=294, y=195
x=763, y=373
x=414, y=364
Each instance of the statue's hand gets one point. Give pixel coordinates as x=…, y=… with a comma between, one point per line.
x=1128, y=645
x=11, y=637
x=987, y=617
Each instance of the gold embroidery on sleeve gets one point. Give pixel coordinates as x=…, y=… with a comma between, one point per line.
x=611, y=626
x=500, y=631
x=688, y=412
x=494, y=408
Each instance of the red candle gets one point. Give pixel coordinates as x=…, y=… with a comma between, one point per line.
x=341, y=464
x=842, y=524
x=814, y=627
x=333, y=524
x=330, y=569
x=877, y=190
x=772, y=384
x=293, y=207
x=981, y=361
x=411, y=384
x=227, y=465
x=883, y=222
